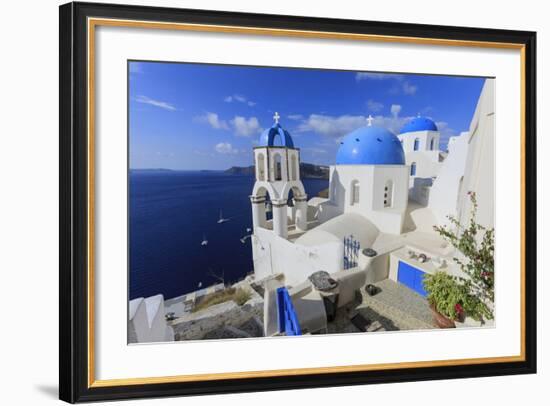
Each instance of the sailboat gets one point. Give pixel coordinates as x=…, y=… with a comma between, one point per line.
x=243, y=240
x=204, y=240
x=221, y=219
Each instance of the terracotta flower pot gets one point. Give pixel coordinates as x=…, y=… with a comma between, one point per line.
x=440, y=320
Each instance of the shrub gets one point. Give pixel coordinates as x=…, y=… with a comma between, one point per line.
x=445, y=292
x=477, y=246
x=239, y=296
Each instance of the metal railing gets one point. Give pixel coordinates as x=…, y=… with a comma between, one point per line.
x=351, y=252
x=288, y=320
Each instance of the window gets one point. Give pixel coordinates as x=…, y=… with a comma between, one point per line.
x=432, y=143
x=260, y=167
x=294, y=167
x=388, y=194
x=413, y=169
x=416, y=144
x=278, y=175
x=354, y=192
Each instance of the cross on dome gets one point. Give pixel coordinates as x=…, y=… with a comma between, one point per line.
x=369, y=120
x=276, y=117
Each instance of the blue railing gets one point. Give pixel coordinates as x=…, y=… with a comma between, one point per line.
x=351, y=252
x=288, y=320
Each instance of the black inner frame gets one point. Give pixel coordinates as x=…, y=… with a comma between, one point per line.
x=73, y=289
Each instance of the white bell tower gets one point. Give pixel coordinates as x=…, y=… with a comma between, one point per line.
x=277, y=164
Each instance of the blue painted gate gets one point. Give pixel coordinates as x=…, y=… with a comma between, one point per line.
x=411, y=277
x=288, y=320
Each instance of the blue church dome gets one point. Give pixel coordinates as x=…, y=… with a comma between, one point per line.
x=276, y=136
x=419, y=124
x=370, y=146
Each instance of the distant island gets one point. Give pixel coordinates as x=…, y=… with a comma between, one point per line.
x=310, y=171
x=307, y=171
x=150, y=170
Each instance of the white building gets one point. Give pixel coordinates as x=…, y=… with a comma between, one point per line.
x=386, y=193
x=147, y=322
x=420, y=139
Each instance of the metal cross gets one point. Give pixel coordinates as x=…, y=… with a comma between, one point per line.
x=276, y=117
x=369, y=120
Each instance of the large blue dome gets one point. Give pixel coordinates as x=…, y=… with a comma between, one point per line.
x=276, y=136
x=370, y=146
x=419, y=124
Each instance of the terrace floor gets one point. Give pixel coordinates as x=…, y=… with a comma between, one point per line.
x=394, y=307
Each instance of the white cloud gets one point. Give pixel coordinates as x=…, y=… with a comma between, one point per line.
x=214, y=120
x=136, y=67
x=295, y=117
x=240, y=99
x=374, y=106
x=331, y=126
x=409, y=89
x=156, y=103
x=337, y=126
x=225, y=148
x=395, y=109
x=246, y=127
x=377, y=76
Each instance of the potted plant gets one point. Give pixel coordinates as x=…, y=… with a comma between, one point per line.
x=471, y=294
x=446, y=296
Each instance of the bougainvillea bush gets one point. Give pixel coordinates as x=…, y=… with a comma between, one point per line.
x=474, y=292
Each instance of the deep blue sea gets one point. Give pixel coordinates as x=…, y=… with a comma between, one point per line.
x=171, y=211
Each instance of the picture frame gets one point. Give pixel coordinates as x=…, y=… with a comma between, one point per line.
x=77, y=284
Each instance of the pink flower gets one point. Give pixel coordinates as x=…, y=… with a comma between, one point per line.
x=485, y=274
x=459, y=309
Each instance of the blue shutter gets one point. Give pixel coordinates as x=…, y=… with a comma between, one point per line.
x=411, y=277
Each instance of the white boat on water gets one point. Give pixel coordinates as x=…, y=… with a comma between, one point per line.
x=221, y=219
x=204, y=240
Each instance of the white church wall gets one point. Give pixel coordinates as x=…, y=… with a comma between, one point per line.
x=275, y=255
x=372, y=181
x=424, y=141
x=469, y=167
x=378, y=269
x=420, y=190
x=324, y=211
x=444, y=194
x=480, y=165
x=427, y=163
x=399, y=177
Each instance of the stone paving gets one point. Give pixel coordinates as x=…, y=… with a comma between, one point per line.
x=394, y=307
x=397, y=307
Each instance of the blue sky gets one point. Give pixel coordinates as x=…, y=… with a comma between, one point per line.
x=197, y=116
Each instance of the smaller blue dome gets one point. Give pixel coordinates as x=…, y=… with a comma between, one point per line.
x=419, y=124
x=276, y=136
x=370, y=146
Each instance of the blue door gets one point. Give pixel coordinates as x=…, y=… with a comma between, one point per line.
x=411, y=277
